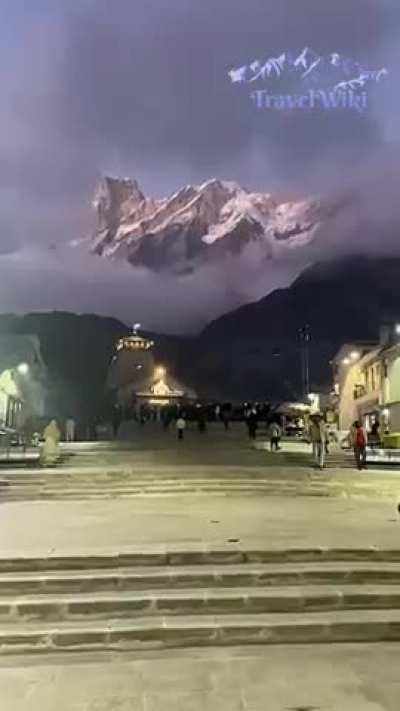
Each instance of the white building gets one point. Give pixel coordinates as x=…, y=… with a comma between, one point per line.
x=367, y=382
x=22, y=380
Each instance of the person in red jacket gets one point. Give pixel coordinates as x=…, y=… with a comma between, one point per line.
x=359, y=439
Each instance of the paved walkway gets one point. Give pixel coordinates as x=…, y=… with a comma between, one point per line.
x=329, y=678
x=298, y=678
x=67, y=527
x=37, y=528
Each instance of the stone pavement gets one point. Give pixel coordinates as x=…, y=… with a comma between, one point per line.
x=211, y=490
x=195, y=537
x=295, y=678
x=144, y=523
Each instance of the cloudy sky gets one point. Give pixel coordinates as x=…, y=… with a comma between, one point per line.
x=139, y=88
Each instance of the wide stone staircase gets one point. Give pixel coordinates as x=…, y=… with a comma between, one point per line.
x=178, y=598
x=126, y=482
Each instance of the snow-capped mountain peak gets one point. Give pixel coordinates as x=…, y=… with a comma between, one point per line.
x=197, y=223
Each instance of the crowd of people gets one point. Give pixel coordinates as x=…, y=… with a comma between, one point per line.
x=320, y=434
x=321, y=437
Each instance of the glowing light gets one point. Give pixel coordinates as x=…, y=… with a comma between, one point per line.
x=160, y=372
x=346, y=361
x=23, y=368
x=397, y=329
x=161, y=389
x=354, y=355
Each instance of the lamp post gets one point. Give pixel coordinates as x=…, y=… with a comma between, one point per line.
x=305, y=338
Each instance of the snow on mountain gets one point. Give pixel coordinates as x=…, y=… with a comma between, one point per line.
x=197, y=223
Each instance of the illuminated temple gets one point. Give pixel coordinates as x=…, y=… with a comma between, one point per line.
x=137, y=379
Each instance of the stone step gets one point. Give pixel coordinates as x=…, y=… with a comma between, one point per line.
x=75, y=488
x=103, y=474
x=92, y=491
x=231, y=554
x=305, y=475
x=90, y=496
x=35, y=493
x=8, y=494
x=204, y=576
x=240, y=601
x=326, y=477
x=187, y=631
x=138, y=482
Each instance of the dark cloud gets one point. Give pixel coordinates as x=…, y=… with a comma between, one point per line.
x=150, y=81
x=140, y=88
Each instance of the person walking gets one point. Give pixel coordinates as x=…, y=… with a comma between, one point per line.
x=359, y=439
x=252, y=423
x=201, y=421
x=226, y=416
x=318, y=435
x=116, y=420
x=374, y=438
x=51, y=446
x=275, y=434
x=166, y=418
x=180, y=426
x=70, y=430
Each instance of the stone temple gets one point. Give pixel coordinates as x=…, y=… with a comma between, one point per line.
x=136, y=379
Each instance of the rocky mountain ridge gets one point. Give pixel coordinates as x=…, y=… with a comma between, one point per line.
x=199, y=223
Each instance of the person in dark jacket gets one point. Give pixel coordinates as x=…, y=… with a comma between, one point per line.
x=359, y=439
x=252, y=423
x=275, y=434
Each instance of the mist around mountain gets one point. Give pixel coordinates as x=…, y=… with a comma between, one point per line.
x=255, y=350
x=250, y=353
x=199, y=224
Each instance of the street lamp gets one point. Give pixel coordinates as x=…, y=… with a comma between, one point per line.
x=346, y=361
x=305, y=338
x=354, y=355
x=23, y=368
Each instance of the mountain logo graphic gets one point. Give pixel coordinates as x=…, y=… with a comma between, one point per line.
x=307, y=81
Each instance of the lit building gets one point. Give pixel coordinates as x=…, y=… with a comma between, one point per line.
x=131, y=365
x=137, y=380
x=367, y=382
x=22, y=380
